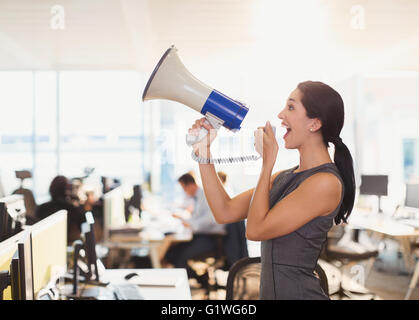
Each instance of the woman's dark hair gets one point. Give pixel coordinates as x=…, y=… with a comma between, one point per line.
x=58, y=187
x=323, y=102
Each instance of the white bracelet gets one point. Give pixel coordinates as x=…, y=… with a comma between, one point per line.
x=200, y=159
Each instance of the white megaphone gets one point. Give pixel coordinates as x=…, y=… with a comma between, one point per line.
x=170, y=80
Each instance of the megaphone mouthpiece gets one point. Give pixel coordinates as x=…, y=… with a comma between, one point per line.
x=150, y=80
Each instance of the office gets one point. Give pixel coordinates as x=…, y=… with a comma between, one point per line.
x=73, y=76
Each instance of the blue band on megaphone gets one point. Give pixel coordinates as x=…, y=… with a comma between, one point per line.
x=230, y=111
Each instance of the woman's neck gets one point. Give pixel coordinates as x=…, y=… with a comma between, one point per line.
x=313, y=155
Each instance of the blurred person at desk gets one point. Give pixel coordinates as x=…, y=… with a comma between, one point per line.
x=60, y=191
x=188, y=201
x=201, y=223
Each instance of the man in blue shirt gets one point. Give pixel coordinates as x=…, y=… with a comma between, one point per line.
x=202, y=224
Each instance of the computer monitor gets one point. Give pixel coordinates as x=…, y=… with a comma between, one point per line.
x=15, y=277
x=8, y=250
x=109, y=184
x=137, y=197
x=134, y=203
x=12, y=215
x=113, y=211
x=412, y=196
x=2, y=192
x=105, y=184
x=5, y=222
x=376, y=185
x=24, y=248
x=49, y=249
x=89, y=245
x=21, y=280
x=88, y=234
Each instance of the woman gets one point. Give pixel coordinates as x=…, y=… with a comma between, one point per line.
x=291, y=211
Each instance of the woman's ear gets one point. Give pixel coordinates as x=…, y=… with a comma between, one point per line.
x=315, y=125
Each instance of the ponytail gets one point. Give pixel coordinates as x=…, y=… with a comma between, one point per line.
x=323, y=102
x=344, y=163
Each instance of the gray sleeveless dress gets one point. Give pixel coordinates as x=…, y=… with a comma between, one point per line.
x=288, y=262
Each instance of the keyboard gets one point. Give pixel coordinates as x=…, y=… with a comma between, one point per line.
x=113, y=292
x=126, y=292
x=125, y=230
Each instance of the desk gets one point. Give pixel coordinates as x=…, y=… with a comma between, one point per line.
x=157, y=246
x=180, y=292
x=386, y=226
x=381, y=223
x=154, y=222
x=154, y=290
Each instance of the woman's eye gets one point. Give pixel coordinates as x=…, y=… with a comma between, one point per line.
x=290, y=108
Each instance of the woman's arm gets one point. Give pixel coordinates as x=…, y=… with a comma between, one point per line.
x=259, y=204
x=224, y=208
x=317, y=195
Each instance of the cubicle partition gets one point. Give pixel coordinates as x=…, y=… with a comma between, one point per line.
x=114, y=211
x=49, y=249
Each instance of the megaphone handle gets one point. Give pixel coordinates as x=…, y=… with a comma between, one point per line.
x=193, y=139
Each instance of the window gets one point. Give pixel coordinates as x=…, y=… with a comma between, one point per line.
x=409, y=158
x=100, y=124
x=62, y=122
x=45, y=143
x=16, y=129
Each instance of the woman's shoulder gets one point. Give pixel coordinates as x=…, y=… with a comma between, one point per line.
x=325, y=183
x=323, y=179
x=327, y=176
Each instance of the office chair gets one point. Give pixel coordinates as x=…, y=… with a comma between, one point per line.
x=345, y=253
x=205, y=265
x=415, y=276
x=30, y=204
x=230, y=248
x=244, y=279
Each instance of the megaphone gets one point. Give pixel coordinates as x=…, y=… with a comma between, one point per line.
x=170, y=80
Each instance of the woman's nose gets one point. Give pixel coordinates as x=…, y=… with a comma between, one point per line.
x=280, y=115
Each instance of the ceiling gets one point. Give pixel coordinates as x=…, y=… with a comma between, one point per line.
x=327, y=37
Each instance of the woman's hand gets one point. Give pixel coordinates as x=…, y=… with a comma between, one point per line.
x=266, y=145
x=202, y=148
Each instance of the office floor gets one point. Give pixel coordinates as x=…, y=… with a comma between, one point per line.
x=388, y=278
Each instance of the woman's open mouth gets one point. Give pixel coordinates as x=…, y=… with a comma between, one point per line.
x=288, y=130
